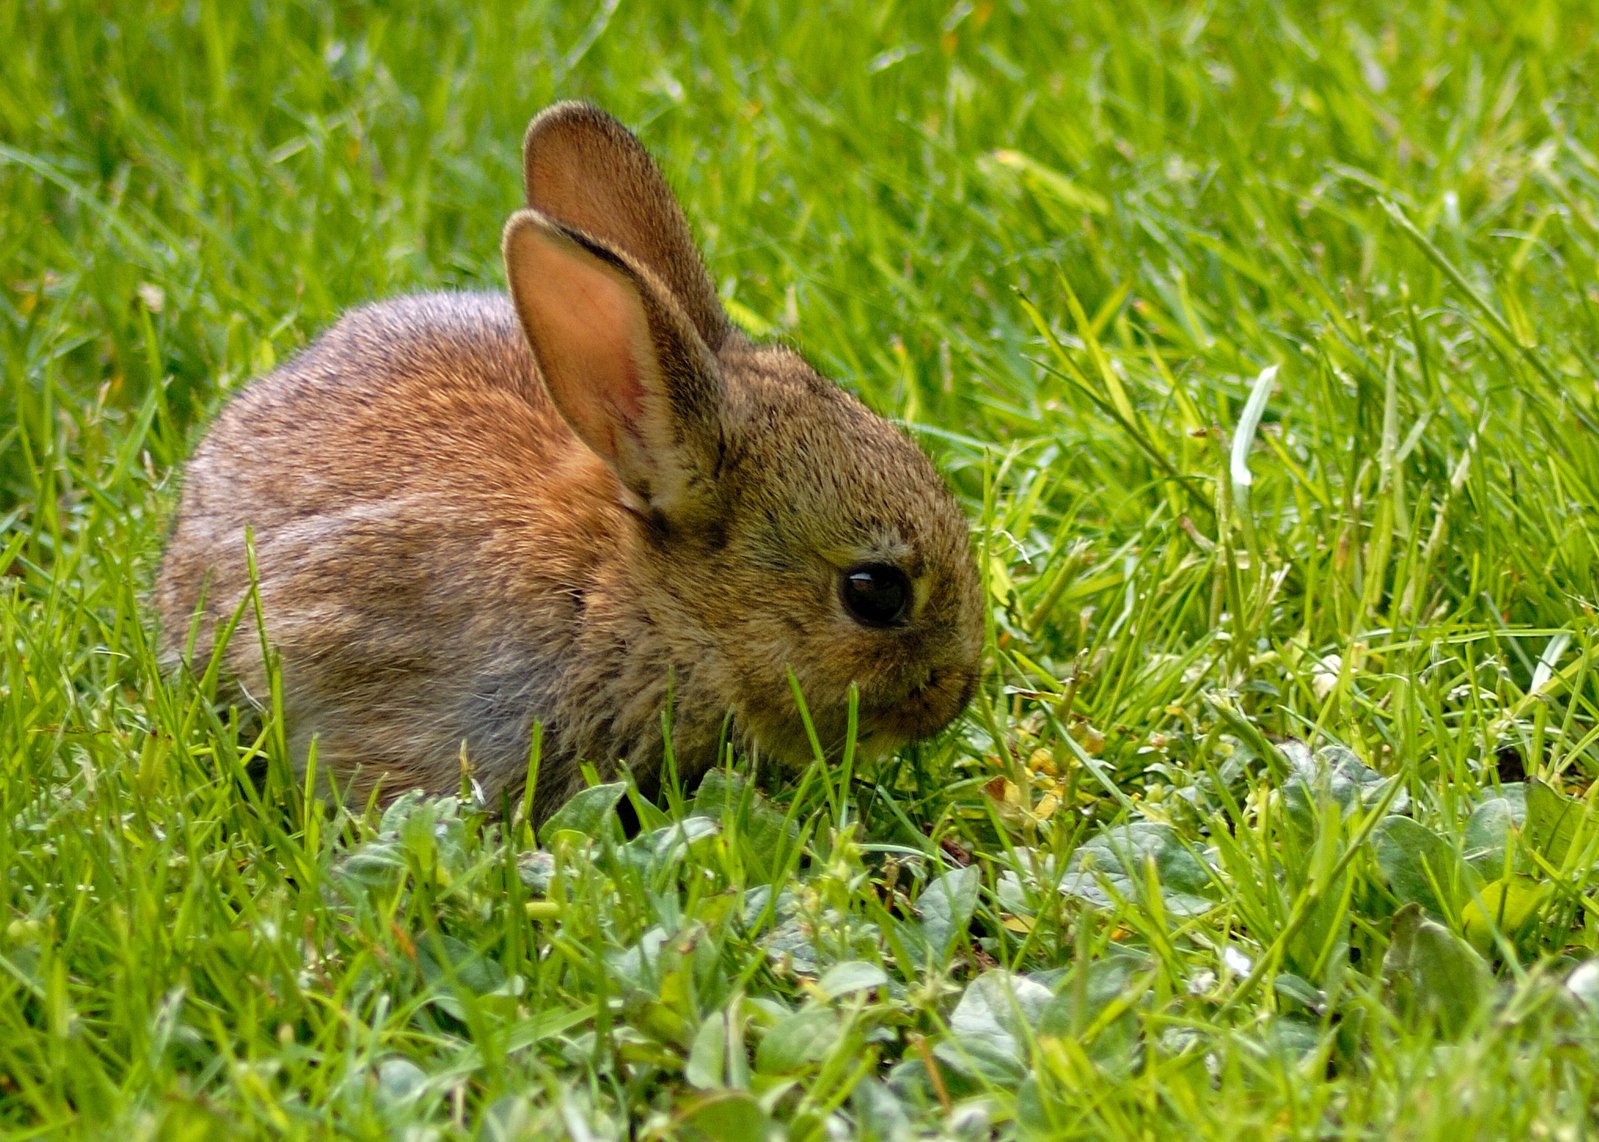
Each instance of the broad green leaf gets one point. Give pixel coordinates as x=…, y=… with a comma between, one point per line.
x=1583, y=984
x=880, y=1114
x=669, y=845
x=1290, y=1038
x=798, y=1040
x=408, y=804
x=1492, y=827
x=849, y=977
x=400, y=1081
x=1110, y=869
x=1097, y=1005
x=707, y=1056
x=1331, y=774
x=946, y=906
x=1433, y=974
x=1553, y=821
x=640, y=965
x=1418, y=865
x=766, y=835
x=1507, y=906
x=376, y=864
x=727, y=1116
x=992, y=1024
x=441, y=956
x=450, y=966
x=417, y=832
x=587, y=812
x=1298, y=989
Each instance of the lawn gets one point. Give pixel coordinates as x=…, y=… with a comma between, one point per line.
x=1261, y=342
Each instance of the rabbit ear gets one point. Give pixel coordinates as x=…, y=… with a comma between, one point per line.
x=622, y=362
x=588, y=172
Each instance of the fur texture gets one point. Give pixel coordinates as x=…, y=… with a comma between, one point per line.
x=576, y=505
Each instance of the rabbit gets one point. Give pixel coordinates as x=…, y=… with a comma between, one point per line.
x=593, y=504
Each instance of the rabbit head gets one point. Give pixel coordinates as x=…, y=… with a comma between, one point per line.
x=782, y=526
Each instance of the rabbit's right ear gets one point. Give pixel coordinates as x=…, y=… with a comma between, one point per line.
x=623, y=364
x=588, y=172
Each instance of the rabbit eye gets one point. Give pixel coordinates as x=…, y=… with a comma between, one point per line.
x=876, y=594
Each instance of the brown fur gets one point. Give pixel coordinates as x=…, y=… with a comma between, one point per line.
x=442, y=560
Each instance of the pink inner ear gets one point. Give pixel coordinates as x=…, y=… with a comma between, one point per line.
x=590, y=333
x=630, y=395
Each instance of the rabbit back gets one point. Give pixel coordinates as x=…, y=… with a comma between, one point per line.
x=408, y=490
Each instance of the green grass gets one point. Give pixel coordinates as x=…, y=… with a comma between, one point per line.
x=1063, y=242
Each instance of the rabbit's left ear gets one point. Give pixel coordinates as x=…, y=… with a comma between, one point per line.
x=588, y=172
x=623, y=363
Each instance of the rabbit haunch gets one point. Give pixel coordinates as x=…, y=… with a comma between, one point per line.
x=576, y=505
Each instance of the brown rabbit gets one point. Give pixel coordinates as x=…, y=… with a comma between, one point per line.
x=580, y=506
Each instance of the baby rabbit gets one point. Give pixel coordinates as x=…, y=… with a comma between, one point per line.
x=582, y=505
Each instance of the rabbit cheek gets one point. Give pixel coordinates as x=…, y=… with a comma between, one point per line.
x=771, y=717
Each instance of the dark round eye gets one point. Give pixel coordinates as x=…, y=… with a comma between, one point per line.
x=876, y=594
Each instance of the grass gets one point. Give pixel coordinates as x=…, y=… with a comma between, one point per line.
x=1273, y=817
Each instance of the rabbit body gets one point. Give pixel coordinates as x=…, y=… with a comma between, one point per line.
x=581, y=505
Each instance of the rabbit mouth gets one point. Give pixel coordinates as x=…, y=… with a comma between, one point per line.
x=883, y=725
x=791, y=749
x=925, y=709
